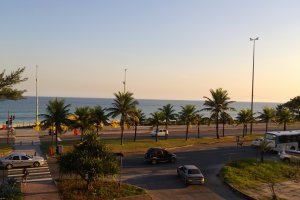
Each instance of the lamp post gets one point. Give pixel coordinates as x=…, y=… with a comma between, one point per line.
x=36, y=96
x=124, y=82
x=251, y=124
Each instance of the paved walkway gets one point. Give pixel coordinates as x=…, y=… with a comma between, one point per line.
x=27, y=140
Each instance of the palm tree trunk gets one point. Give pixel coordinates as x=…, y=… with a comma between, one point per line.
x=267, y=122
x=81, y=133
x=284, y=126
x=166, y=137
x=156, y=133
x=122, y=131
x=187, y=131
x=56, y=139
x=198, y=130
x=261, y=156
x=135, y=129
x=166, y=124
x=217, y=126
x=223, y=129
x=244, y=130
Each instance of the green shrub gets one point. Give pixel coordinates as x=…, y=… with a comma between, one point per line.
x=11, y=190
x=74, y=189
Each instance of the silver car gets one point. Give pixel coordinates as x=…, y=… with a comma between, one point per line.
x=290, y=156
x=190, y=174
x=21, y=160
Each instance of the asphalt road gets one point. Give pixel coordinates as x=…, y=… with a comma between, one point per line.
x=162, y=182
x=178, y=131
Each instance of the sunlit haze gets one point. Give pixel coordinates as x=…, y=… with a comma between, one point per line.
x=171, y=49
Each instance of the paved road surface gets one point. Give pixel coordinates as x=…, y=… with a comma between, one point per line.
x=162, y=182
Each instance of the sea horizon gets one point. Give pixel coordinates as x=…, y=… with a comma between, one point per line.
x=62, y=97
x=24, y=110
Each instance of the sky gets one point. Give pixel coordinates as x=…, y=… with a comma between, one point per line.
x=171, y=49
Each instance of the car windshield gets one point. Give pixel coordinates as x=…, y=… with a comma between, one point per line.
x=29, y=156
x=193, y=171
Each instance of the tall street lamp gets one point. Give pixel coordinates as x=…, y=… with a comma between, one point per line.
x=124, y=82
x=251, y=124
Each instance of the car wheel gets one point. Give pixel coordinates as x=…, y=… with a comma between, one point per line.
x=173, y=160
x=153, y=161
x=9, y=166
x=36, y=164
x=286, y=160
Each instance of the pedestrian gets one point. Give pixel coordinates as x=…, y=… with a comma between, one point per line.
x=25, y=175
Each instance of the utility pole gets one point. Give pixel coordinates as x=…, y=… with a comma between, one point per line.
x=251, y=124
x=8, y=127
x=36, y=92
x=124, y=82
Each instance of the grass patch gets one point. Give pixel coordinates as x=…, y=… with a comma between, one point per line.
x=76, y=190
x=5, y=150
x=250, y=173
x=142, y=145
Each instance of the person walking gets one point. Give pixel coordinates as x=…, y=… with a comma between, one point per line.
x=25, y=175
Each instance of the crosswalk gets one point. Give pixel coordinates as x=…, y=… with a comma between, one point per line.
x=35, y=174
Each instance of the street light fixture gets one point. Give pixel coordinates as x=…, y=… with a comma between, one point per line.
x=251, y=124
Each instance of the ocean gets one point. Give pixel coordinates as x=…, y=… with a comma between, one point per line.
x=25, y=110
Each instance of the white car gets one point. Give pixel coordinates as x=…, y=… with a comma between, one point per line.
x=289, y=156
x=159, y=133
x=257, y=141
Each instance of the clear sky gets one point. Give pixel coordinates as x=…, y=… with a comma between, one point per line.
x=171, y=49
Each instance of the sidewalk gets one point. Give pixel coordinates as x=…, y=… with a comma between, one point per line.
x=39, y=190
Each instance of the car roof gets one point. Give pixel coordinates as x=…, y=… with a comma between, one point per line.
x=190, y=167
x=17, y=154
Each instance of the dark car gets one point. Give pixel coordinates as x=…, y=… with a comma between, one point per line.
x=155, y=155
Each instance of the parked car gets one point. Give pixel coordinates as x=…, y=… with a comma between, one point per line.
x=21, y=160
x=157, y=154
x=290, y=156
x=160, y=133
x=190, y=174
x=257, y=141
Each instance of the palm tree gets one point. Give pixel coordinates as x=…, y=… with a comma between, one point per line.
x=268, y=114
x=225, y=119
x=188, y=115
x=284, y=116
x=99, y=117
x=244, y=117
x=124, y=105
x=263, y=148
x=83, y=120
x=169, y=114
x=57, y=116
x=155, y=120
x=217, y=104
x=199, y=120
x=137, y=118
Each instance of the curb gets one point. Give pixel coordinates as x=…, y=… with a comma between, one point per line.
x=238, y=192
x=137, y=197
